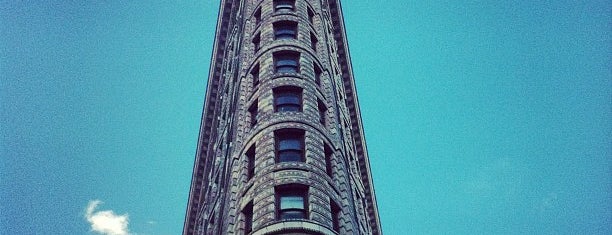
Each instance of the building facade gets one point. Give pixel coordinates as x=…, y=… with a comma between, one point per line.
x=281, y=147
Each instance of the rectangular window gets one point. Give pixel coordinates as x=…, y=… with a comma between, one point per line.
x=291, y=202
x=310, y=16
x=289, y=146
x=322, y=110
x=286, y=62
x=328, y=159
x=256, y=42
x=247, y=211
x=257, y=16
x=313, y=41
x=285, y=30
x=250, y=155
x=335, y=215
x=255, y=75
x=317, y=74
x=253, y=113
x=287, y=99
x=284, y=5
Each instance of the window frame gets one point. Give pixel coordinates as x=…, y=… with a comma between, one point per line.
x=313, y=41
x=256, y=42
x=253, y=112
x=329, y=153
x=283, y=5
x=322, y=112
x=291, y=190
x=288, y=92
x=247, y=211
x=255, y=71
x=335, y=210
x=285, y=30
x=250, y=155
x=257, y=16
x=288, y=136
x=286, y=62
x=311, y=15
x=317, y=74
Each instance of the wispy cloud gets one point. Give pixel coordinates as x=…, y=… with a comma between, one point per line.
x=106, y=222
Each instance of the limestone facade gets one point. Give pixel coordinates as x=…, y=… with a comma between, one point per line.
x=281, y=147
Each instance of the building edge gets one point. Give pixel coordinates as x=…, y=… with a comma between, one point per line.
x=353, y=105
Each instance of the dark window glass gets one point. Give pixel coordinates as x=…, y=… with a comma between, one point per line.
x=317, y=74
x=322, y=109
x=256, y=42
x=287, y=99
x=313, y=41
x=255, y=74
x=257, y=16
x=248, y=218
x=310, y=16
x=286, y=62
x=290, y=146
x=250, y=154
x=253, y=113
x=328, y=159
x=335, y=214
x=291, y=202
x=280, y=5
x=285, y=30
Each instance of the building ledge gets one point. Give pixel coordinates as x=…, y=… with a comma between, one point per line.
x=295, y=228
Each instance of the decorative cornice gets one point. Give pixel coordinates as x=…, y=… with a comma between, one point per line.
x=295, y=227
x=208, y=113
x=353, y=105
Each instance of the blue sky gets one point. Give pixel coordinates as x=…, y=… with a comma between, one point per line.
x=480, y=117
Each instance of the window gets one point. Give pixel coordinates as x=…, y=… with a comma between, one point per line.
x=257, y=16
x=335, y=215
x=255, y=74
x=289, y=146
x=284, y=5
x=250, y=155
x=285, y=30
x=317, y=74
x=310, y=15
x=256, y=42
x=287, y=99
x=322, y=110
x=313, y=41
x=291, y=202
x=253, y=113
x=247, y=211
x=328, y=159
x=286, y=62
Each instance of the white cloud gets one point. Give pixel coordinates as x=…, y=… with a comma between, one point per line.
x=106, y=222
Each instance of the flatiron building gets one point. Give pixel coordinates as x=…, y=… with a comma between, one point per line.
x=281, y=148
